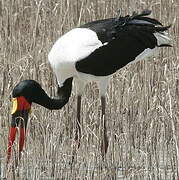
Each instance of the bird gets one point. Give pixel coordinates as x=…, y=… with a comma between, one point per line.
x=91, y=52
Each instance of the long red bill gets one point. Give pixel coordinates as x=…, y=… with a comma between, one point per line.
x=12, y=135
x=20, y=111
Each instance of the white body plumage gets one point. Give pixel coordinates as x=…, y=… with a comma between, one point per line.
x=79, y=43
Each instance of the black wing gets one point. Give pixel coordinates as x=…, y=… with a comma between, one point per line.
x=125, y=38
x=103, y=28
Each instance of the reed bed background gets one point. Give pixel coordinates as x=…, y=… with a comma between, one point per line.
x=142, y=99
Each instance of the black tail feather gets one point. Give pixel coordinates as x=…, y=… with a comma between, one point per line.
x=163, y=28
x=138, y=17
x=143, y=13
x=150, y=20
x=165, y=45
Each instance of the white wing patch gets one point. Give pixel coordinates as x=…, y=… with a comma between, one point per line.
x=70, y=48
x=74, y=45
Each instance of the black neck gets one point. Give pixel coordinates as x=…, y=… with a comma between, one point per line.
x=51, y=103
x=64, y=93
x=33, y=92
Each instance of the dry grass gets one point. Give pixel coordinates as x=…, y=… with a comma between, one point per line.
x=143, y=118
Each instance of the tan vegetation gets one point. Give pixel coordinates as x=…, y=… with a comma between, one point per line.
x=142, y=106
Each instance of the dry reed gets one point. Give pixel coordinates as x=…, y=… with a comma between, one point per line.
x=143, y=118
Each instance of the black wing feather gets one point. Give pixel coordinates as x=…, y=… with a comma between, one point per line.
x=116, y=54
x=126, y=38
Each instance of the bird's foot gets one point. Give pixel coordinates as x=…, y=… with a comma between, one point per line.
x=104, y=146
x=75, y=146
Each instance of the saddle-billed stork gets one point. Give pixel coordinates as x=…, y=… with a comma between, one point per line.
x=91, y=52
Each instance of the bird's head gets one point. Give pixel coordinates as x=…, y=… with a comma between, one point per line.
x=23, y=94
x=29, y=91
